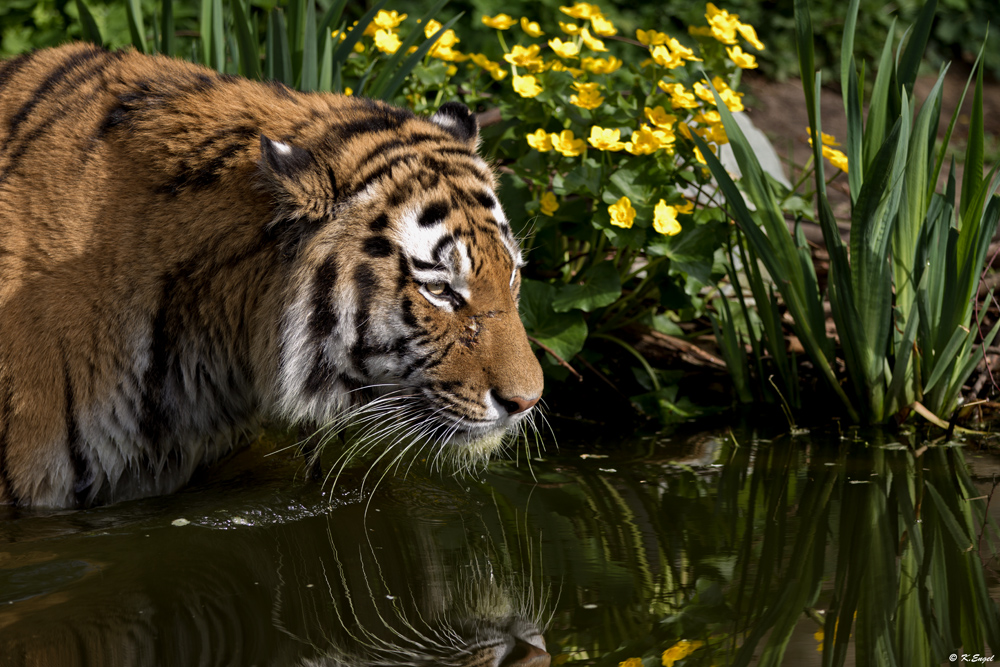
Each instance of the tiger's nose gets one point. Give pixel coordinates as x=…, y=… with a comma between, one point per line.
x=515, y=404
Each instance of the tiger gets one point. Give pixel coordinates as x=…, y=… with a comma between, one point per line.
x=186, y=254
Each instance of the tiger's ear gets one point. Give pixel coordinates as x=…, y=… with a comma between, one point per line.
x=302, y=188
x=461, y=123
x=283, y=160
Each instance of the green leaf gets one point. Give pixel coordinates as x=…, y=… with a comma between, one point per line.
x=91, y=32
x=249, y=55
x=205, y=32
x=309, y=71
x=909, y=62
x=135, y=26
x=279, y=59
x=355, y=34
x=972, y=177
x=218, y=37
x=563, y=333
x=601, y=287
x=168, y=38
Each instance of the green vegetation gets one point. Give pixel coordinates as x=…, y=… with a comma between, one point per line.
x=902, y=298
x=607, y=152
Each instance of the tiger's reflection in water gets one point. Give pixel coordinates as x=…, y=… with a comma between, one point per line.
x=310, y=587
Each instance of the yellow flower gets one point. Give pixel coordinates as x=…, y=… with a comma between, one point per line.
x=750, y=35
x=607, y=65
x=732, y=100
x=741, y=59
x=680, y=50
x=660, y=118
x=592, y=42
x=497, y=72
x=564, y=49
x=651, y=37
x=500, y=21
x=664, y=57
x=526, y=86
x=581, y=10
x=481, y=60
x=540, y=141
x=386, y=41
x=622, y=215
x=602, y=26
x=722, y=23
x=686, y=207
x=571, y=29
x=665, y=220
x=336, y=34
x=359, y=47
x=681, y=649
x=700, y=31
x=549, y=203
x=679, y=98
x=560, y=66
x=836, y=158
x=567, y=144
x=348, y=91
x=716, y=133
x=388, y=20
x=526, y=57
x=605, y=139
x=531, y=28
x=708, y=117
x=646, y=140
x=730, y=97
x=631, y=662
x=704, y=92
x=826, y=139
x=589, y=96
x=701, y=158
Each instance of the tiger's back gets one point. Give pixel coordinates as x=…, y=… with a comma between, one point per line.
x=183, y=252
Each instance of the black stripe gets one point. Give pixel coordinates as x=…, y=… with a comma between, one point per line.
x=380, y=223
x=366, y=283
x=321, y=376
x=15, y=155
x=83, y=476
x=153, y=417
x=323, y=318
x=406, y=306
x=73, y=63
x=425, y=266
x=377, y=174
x=433, y=214
x=206, y=175
x=378, y=246
x=444, y=242
x=9, y=68
x=6, y=413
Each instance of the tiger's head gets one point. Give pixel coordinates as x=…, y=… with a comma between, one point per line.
x=402, y=308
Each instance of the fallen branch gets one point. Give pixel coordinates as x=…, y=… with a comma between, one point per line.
x=562, y=362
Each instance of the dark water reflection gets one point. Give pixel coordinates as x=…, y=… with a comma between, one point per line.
x=617, y=551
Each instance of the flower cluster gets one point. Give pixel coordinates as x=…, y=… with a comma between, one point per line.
x=574, y=82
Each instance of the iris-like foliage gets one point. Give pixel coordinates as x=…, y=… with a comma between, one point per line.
x=903, y=292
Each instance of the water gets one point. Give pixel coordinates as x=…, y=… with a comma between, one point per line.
x=616, y=550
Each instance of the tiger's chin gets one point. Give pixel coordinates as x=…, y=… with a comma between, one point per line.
x=474, y=449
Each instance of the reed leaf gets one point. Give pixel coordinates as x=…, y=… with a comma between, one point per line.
x=133, y=11
x=168, y=38
x=407, y=66
x=88, y=26
x=308, y=71
x=249, y=59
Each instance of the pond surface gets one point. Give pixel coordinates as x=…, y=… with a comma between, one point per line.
x=719, y=548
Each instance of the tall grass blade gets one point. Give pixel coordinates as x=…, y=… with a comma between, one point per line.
x=296, y=33
x=205, y=31
x=279, y=60
x=946, y=140
x=168, y=38
x=909, y=62
x=326, y=63
x=249, y=59
x=309, y=78
x=972, y=177
x=331, y=18
x=91, y=33
x=133, y=10
x=218, y=39
x=879, y=107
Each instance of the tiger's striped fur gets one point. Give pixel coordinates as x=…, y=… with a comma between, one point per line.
x=183, y=253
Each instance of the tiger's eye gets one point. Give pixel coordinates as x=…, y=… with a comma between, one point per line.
x=437, y=289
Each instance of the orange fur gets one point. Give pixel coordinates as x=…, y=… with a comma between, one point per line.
x=183, y=252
